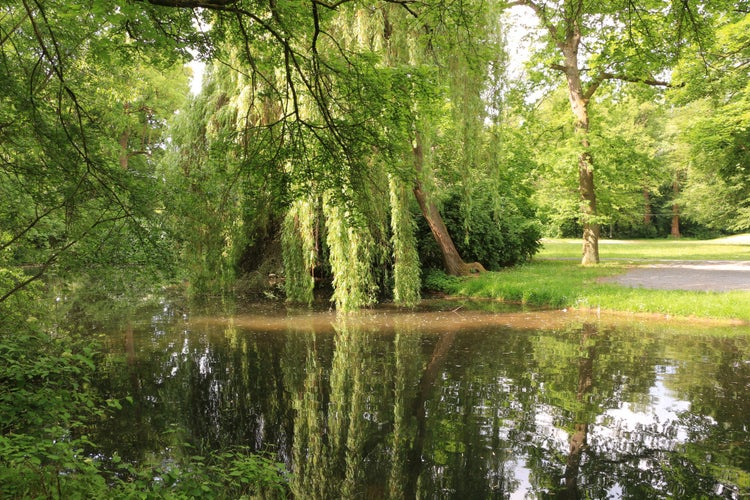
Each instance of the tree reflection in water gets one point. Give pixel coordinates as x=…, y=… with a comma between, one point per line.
x=415, y=408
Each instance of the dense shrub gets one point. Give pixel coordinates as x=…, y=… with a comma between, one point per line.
x=497, y=235
x=435, y=280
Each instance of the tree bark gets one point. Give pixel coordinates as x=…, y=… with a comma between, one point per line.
x=591, y=228
x=454, y=264
x=124, y=138
x=579, y=105
x=675, y=232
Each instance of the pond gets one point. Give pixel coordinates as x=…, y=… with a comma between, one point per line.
x=447, y=401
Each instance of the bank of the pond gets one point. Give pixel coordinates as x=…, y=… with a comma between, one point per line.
x=566, y=284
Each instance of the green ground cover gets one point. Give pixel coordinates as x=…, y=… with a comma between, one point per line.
x=733, y=248
x=555, y=279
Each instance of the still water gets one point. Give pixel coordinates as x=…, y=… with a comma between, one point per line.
x=444, y=402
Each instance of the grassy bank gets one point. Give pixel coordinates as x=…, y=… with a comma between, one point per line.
x=555, y=279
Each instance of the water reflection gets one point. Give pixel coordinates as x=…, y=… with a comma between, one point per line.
x=442, y=404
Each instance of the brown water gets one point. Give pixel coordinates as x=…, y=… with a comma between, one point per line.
x=445, y=402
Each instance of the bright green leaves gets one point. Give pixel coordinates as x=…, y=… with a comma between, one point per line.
x=351, y=257
x=713, y=114
x=406, y=271
x=299, y=250
x=82, y=123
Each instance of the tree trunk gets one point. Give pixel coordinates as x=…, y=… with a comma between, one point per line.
x=591, y=228
x=579, y=105
x=675, y=232
x=647, y=213
x=454, y=264
x=124, y=138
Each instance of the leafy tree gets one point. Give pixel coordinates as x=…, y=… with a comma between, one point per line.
x=626, y=137
x=224, y=182
x=591, y=43
x=712, y=111
x=328, y=105
x=357, y=101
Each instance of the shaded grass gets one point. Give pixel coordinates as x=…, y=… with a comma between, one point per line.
x=632, y=250
x=566, y=284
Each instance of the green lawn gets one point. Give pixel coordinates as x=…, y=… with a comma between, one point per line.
x=555, y=279
x=627, y=250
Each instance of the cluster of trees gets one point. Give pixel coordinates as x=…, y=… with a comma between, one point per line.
x=636, y=78
x=358, y=142
x=346, y=142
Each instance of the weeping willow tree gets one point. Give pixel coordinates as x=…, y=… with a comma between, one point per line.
x=435, y=69
x=202, y=199
x=406, y=275
x=411, y=69
x=224, y=183
x=347, y=107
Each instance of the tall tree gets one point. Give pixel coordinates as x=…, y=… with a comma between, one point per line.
x=353, y=101
x=626, y=138
x=593, y=42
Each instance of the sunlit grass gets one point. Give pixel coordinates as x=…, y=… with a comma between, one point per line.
x=566, y=284
x=631, y=250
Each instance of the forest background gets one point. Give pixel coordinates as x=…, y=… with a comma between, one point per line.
x=347, y=147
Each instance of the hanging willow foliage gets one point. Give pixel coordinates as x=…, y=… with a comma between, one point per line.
x=406, y=276
x=299, y=251
x=350, y=246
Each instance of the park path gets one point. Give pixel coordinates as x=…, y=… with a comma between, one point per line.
x=706, y=275
x=713, y=275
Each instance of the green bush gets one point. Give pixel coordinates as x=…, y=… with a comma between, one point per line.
x=45, y=404
x=435, y=280
x=236, y=473
x=495, y=234
x=47, y=408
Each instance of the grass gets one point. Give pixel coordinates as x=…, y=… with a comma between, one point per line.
x=556, y=279
x=632, y=250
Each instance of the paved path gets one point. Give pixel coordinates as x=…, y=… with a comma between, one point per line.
x=718, y=276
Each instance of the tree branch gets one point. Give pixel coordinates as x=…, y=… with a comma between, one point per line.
x=192, y=4
x=541, y=14
x=601, y=77
x=44, y=266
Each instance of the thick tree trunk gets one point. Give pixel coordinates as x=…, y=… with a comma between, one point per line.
x=591, y=228
x=675, y=231
x=454, y=264
x=579, y=105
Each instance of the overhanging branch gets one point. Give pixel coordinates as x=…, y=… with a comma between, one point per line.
x=601, y=77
